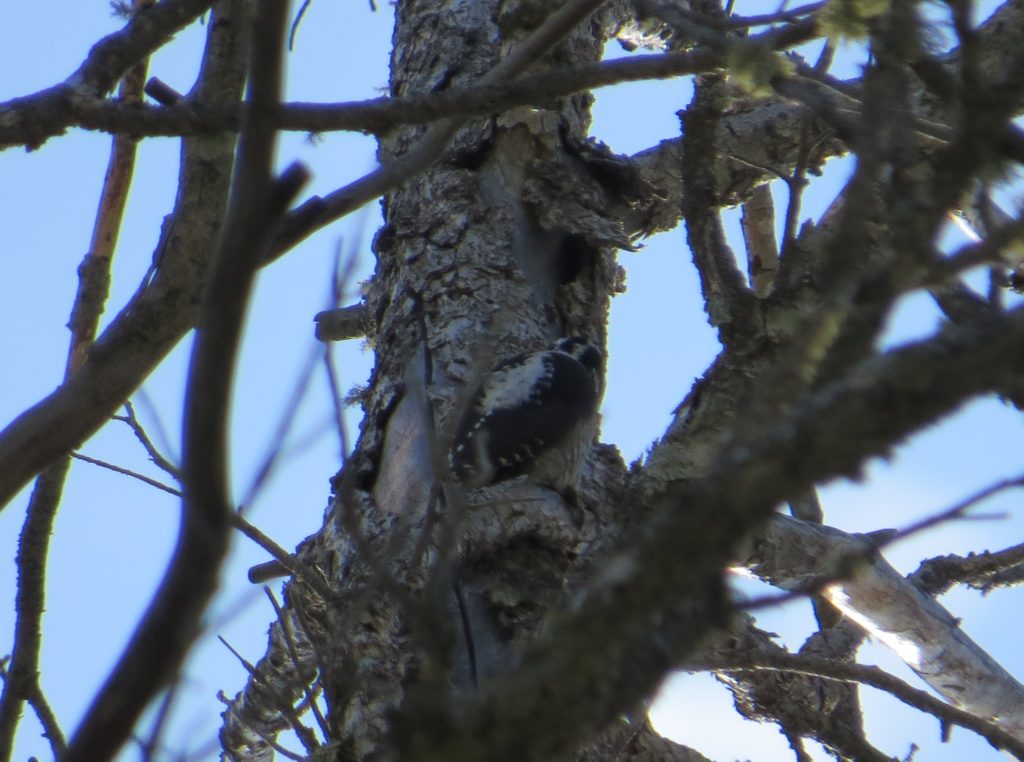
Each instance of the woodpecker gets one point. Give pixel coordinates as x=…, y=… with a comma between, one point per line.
x=534, y=414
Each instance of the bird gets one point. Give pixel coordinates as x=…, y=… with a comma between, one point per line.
x=534, y=413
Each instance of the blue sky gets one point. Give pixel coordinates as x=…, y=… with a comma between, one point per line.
x=114, y=535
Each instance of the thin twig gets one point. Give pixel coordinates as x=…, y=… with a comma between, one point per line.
x=283, y=707
x=151, y=745
x=956, y=511
x=158, y=458
x=339, y=283
x=307, y=574
x=295, y=23
x=93, y=290
x=342, y=274
x=337, y=408
x=276, y=443
x=149, y=407
x=310, y=743
x=879, y=540
x=128, y=472
x=290, y=564
x=982, y=571
x=249, y=666
x=797, y=181
x=266, y=738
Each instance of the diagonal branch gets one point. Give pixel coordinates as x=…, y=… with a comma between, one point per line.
x=982, y=571
x=22, y=680
x=790, y=553
x=127, y=472
x=876, y=678
x=156, y=318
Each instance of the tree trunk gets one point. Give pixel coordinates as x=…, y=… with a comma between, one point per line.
x=506, y=245
x=496, y=623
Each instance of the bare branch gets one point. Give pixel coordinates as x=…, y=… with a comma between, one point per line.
x=876, y=678
x=342, y=323
x=758, y=223
x=284, y=562
x=793, y=554
x=984, y=571
x=155, y=455
x=151, y=745
x=804, y=707
x=304, y=735
x=374, y=116
x=843, y=564
x=162, y=639
x=728, y=300
x=44, y=713
x=165, y=306
x=127, y=472
x=43, y=115
x=22, y=680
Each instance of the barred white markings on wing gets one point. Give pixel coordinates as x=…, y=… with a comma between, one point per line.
x=534, y=414
x=516, y=384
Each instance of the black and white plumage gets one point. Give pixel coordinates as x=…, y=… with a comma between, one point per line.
x=535, y=414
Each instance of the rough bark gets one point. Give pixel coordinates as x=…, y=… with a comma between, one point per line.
x=512, y=252
x=441, y=624
x=429, y=653
x=443, y=592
